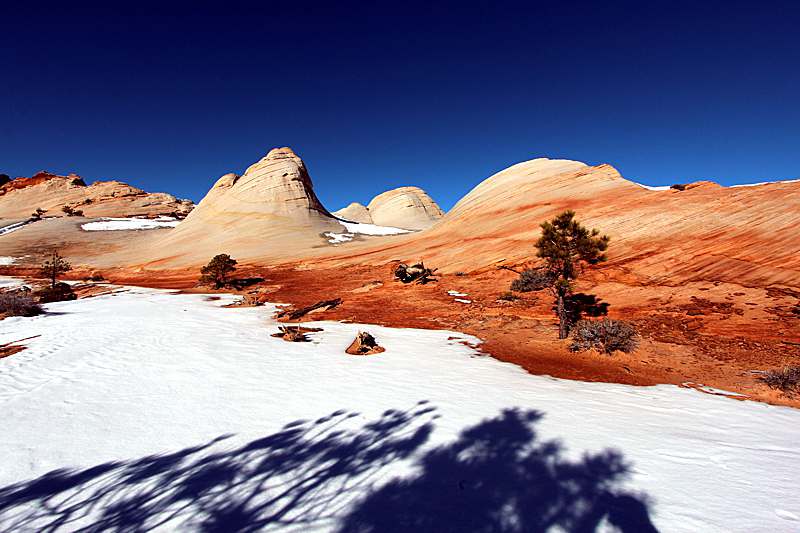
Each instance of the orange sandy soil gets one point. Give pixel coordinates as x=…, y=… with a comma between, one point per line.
x=700, y=333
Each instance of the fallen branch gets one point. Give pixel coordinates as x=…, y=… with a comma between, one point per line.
x=294, y=314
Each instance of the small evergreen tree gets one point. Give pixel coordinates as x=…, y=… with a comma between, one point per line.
x=564, y=244
x=53, y=267
x=217, y=270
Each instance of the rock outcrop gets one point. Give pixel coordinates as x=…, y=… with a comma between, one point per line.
x=355, y=212
x=406, y=208
x=270, y=211
x=21, y=196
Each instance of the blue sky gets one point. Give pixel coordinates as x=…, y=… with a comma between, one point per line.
x=374, y=96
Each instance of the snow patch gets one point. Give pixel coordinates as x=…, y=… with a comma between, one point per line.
x=364, y=229
x=335, y=238
x=456, y=293
x=462, y=301
x=653, y=188
x=765, y=183
x=118, y=224
x=6, y=261
x=13, y=227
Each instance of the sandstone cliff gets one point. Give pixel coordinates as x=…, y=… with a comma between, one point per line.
x=20, y=197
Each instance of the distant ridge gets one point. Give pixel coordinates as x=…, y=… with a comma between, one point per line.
x=21, y=196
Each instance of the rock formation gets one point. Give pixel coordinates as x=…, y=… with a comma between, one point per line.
x=406, y=208
x=21, y=196
x=355, y=212
x=270, y=211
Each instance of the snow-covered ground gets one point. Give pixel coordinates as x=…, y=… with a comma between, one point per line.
x=142, y=410
x=112, y=224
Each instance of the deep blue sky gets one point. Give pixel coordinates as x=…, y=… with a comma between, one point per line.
x=379, y=95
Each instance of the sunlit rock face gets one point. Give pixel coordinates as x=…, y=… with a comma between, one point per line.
x=355, y=212
x=50, y=192
x=269, y=211
x=745, y=235
x=405, y=207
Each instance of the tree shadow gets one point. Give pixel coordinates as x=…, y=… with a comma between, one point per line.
x=579, y=305
x=497, y=478
x=300, y=476
x=494, y=477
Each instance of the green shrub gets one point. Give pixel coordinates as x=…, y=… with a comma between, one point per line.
x=604, y=335
x=217, y=270
x=786, y=379
x=19, y=303
x=678, y=186
x=534, y=280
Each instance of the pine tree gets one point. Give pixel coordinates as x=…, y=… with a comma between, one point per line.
x=564, y=244
x=53, y=267
x=217, y=270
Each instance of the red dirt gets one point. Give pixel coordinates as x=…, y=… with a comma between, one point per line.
x=706, y=333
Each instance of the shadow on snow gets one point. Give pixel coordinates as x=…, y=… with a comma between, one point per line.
x=494, y=478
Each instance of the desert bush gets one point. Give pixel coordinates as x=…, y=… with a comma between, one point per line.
x=19, y=303
x=508, y=296
x=534, y=280
x=678, y=186
x=786, y=379
x=604, y=335
x=37, y=215
x=59, y=292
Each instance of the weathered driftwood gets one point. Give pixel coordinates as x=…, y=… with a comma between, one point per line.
x=414, y=273
x=294, y=314
x=294, y=334
x=364, y=345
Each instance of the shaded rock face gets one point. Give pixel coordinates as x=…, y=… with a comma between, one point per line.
x=21, y=196
x=270, y=210
x=355, y=212
x=405, y=207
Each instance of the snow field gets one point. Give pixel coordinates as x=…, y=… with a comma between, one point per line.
x=140, y=374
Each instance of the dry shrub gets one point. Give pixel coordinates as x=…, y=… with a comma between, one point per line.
x=604, y=335
x=786, y=379
x=533, y=280
x=19, y=303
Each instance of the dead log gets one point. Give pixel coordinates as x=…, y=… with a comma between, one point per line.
x=414, y=273
x=364, y=344
x=294, y=334
x=294, y=314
